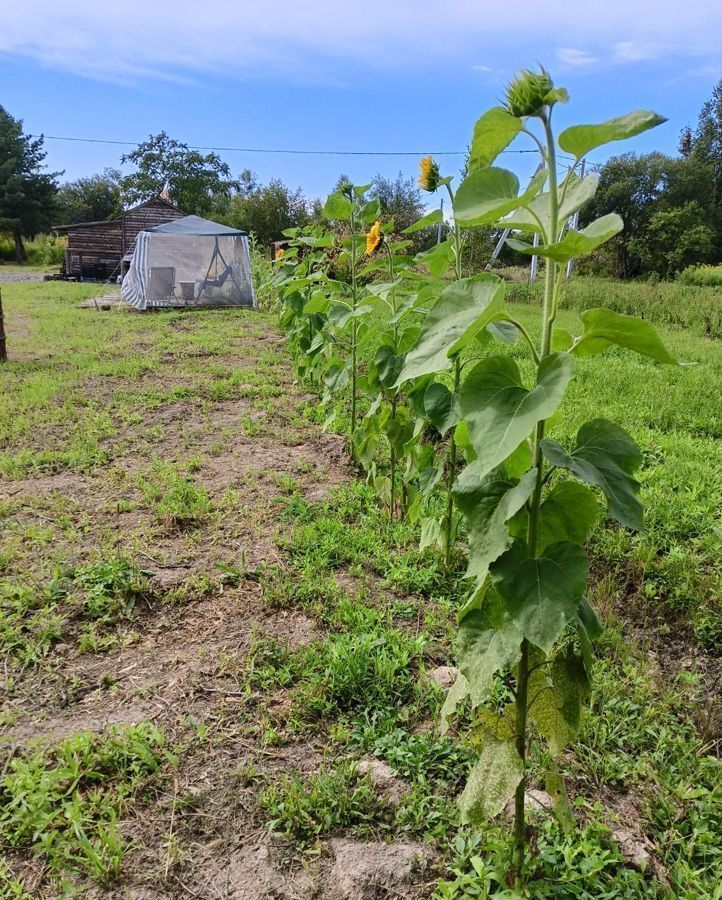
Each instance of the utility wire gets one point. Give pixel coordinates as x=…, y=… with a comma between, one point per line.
x=414, y=153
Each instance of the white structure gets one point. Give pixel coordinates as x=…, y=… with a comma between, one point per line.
x=189, y=262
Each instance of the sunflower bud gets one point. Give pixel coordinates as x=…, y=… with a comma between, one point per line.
x=279, y=254
x=529, y=93
x=429, y=177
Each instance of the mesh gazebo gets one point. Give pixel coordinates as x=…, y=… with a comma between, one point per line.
x=189, y=262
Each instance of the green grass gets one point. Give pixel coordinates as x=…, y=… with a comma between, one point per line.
x=305, y=809
x=702, y=276
x=692, y=305
x=177, y=501
x=62, y=804
x=92, y=393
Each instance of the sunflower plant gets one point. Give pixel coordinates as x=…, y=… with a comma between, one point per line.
x=349, y=308
x=528, y=500
x=302, y=281
x=389, y=419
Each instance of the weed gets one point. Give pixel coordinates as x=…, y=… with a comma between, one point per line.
x=307, y=808
x=176, y=499
x=63, y=803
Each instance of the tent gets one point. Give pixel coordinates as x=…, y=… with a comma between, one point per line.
x=189, y=262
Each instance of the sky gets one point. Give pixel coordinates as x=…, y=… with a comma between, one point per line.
x=400, y=75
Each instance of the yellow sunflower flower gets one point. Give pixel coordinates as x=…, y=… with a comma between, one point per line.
x=429, y=177
x=373, y=238
x=279, y=254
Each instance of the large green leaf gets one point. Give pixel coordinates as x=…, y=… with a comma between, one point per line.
x=557, y=694
x=575, y=243
x=580, y=139
x=340, y=314
x=486, y=196
x=492, y=782
x=338, y=206
x=501, y=412
x=568, y=513
x=442, y=407
x=463, y=309
x=493, y=132
x=487, y=503
x=605, y=456
x=535, y=216
x=602, y=328
x=541, y=594
x=432, y=218
x=487, y=642
x=437, y=259
x=388, y=365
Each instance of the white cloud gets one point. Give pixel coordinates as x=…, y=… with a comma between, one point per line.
x=317, y=38
x=575, y=59
x=635, y=51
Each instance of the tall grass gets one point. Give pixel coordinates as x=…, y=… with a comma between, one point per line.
x=702, y=276
x=678, y=303
x=44, y=250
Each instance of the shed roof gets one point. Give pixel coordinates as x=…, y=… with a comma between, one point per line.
x=195, y=225
x=119, y=217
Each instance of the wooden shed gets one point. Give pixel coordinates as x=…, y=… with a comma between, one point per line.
x=97, y=249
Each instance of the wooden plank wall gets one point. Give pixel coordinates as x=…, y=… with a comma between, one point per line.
x=95, y=249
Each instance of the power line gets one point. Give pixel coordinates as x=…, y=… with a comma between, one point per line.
x=414, y=153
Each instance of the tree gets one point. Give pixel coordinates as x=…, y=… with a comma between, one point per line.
x=661, y=189
x=196, y=181
x=89, y=199
x=264, y=210
x=676, y=238
x=400, y=199
x=26, y=192
x=704, y=144
x=705, y=141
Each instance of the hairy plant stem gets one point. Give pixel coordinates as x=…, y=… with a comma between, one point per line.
x=551, y=290
x=394, y=399
x=451, y=477
x=354, y=331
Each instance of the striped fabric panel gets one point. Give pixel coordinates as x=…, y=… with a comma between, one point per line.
x=133, y=287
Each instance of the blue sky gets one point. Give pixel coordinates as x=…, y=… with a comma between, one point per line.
x=317, y=75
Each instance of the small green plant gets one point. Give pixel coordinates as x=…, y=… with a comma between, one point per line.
x=112, y=587
x=63, y=803
x=305, y=808
x=177, y=500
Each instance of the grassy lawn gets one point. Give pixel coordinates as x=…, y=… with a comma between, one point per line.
x=208, y=626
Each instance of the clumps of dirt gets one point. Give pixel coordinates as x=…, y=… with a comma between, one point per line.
x=376, y=871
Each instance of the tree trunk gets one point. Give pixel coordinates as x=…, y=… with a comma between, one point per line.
x=20, y=254
x=3, y=346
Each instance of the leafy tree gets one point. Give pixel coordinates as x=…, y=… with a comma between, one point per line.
x=641, y=189
x=26, y=192
x=704, y=143
x=265, y=211
x=89, y=199
x=196, y=181
x=400, y=199
x=675, y=238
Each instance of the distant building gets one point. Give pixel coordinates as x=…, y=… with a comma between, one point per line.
x=102, y=249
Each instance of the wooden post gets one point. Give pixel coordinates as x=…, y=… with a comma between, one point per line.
x=3, y=345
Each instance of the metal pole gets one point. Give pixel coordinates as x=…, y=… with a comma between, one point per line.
x=534, y=259
x=438, y=230
x=575, y=219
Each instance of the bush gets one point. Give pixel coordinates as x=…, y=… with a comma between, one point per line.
x=702, y=276
x=44, y=250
